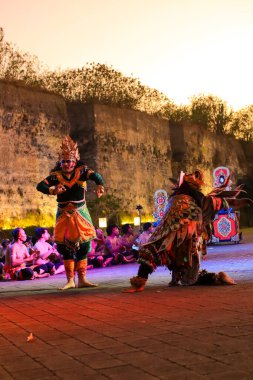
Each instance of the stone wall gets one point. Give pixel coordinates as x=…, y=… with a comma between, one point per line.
x=136, y=153
x=194, y=147
x=32, y=123
x=131, y=149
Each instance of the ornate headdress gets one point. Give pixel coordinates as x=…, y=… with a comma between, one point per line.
x=68, y=150
x=195, y=180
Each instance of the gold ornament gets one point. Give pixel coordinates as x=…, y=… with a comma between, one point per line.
x=68, y=150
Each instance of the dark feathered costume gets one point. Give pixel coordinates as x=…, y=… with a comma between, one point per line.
x=184, y=230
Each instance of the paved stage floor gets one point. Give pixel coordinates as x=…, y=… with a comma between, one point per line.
x=163, y=333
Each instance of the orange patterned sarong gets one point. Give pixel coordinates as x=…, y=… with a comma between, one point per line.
x=73, y=225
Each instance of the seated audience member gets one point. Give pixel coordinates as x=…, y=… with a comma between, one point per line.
x=95, y=259
x=56, y=259
x=100, y=241
x=114, y=247
x=29, y=244
x=3, y=250
x=48, y=258
x=128, y=239
x=145, y=235
x=17, y=257
x=1, y=271
x=96, y=256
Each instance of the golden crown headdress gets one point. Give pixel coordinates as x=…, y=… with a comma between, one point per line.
x=68, y=149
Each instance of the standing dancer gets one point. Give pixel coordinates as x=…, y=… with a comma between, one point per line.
x=74, y=229
x=177, y=241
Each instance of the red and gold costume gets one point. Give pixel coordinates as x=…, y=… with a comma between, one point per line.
x=73, y=222
x=74, y=229
x=176, y=241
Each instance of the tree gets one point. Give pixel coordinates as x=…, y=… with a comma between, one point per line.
x=99, y=83
x=241, y=125
x=211, y=112
x=175, y=113
x=16, y=65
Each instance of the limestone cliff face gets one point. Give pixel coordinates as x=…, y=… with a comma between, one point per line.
x=32, y=123
x=136, y=153
x=131, y=149
x=194, y=147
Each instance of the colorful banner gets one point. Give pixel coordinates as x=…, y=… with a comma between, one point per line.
x=160, y=203
x=226, y=228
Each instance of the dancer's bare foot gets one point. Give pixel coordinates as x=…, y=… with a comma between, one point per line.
x=84, y=283
x=224, y=278
x=70, y=285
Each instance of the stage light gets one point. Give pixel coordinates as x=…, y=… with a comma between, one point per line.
x=102, y=222
x=137, y=220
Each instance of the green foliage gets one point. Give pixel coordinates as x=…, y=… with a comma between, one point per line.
x=175, y=113
x=211, y=112
x=241, y=126
x=16, y=65
x=99, y=83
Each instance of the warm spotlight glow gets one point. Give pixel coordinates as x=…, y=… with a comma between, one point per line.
x=102, y=222
x=137, y=220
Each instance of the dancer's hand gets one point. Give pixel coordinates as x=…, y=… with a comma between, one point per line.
x=100, y=191
x=59, y=189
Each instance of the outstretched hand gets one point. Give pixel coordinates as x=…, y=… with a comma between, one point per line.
x=100, y=191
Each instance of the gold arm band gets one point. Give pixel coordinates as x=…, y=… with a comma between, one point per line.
x=89, y=173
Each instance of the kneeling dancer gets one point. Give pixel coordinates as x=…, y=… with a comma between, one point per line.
x=74, y=229
x=183, y=232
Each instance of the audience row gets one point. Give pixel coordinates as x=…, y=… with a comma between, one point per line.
x=27, y=258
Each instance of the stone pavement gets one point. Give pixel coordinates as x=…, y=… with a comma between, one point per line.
x=182, y=333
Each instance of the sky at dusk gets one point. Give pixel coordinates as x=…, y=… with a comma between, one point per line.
x=179, y=47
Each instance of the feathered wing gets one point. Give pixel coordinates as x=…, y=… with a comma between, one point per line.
x=174, y=240
x=171, y=241
x=180, y=221
x=236, y=203
x=229, y=197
